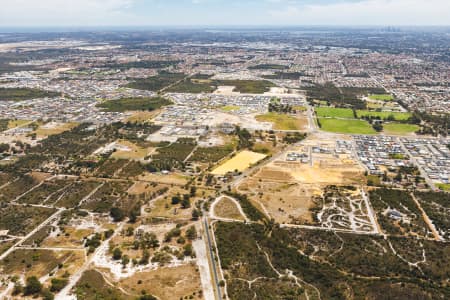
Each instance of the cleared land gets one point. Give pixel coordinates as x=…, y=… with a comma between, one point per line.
x=240, y=162
x=282, y=121
x=398, y=128
x=166, y=283
x=226, y=208
x=346, y=126
x=54, y=128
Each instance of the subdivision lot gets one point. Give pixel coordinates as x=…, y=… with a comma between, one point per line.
x=240, y=162
x=284, y=121
x=170, y=283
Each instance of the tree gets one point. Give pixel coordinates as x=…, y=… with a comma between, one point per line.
x=58, y=284
x=195, y=214
x=188, y=250
x=33, y=286
x=117, y=254
x=191, y=233
x=117, y=214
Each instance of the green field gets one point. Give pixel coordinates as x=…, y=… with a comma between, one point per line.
x=20, y=94
x=332, y=112
x=398, y=128
x=384, y=115
x=230, y=108
x=134, y=104
x=444, y=186
x=346, y=126
x=381, y=97
x=280, y=121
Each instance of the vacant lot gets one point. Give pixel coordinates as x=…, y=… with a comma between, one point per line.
x=399, y=128
x=240, y=162
x=346, y=126
x=166, y=283
x=283, y=121
x=226, y=208
x=53, y=128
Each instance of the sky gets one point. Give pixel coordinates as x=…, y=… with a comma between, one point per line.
x=80, y=13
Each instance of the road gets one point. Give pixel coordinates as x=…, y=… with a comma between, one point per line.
x=211, y=255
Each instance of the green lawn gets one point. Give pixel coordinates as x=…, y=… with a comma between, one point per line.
x=398, y=128
x=346, y=126
x=332, y=112
x=381, y=97
x=398, y=116
x=280, y=121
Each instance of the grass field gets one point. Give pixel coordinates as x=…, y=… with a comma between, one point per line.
x=398, y=116
x=334, y=112
x=280, y=121
x=240, y=162
x=229, y=108
x=54, y=128
x=17, y=123
x=397, y=128
x=444, y=186
x=346, y=126
x=381, y=97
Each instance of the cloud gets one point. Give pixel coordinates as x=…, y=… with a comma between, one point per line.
x=367, y=12
x=62, y=12
x=223, y=12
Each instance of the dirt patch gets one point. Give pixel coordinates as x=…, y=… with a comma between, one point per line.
x=226, y=208
x=285, y=202
x=166, y=283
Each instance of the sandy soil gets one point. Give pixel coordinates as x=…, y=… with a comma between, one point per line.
x=240, y=162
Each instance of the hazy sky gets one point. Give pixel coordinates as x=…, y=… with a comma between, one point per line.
x=27, y=13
